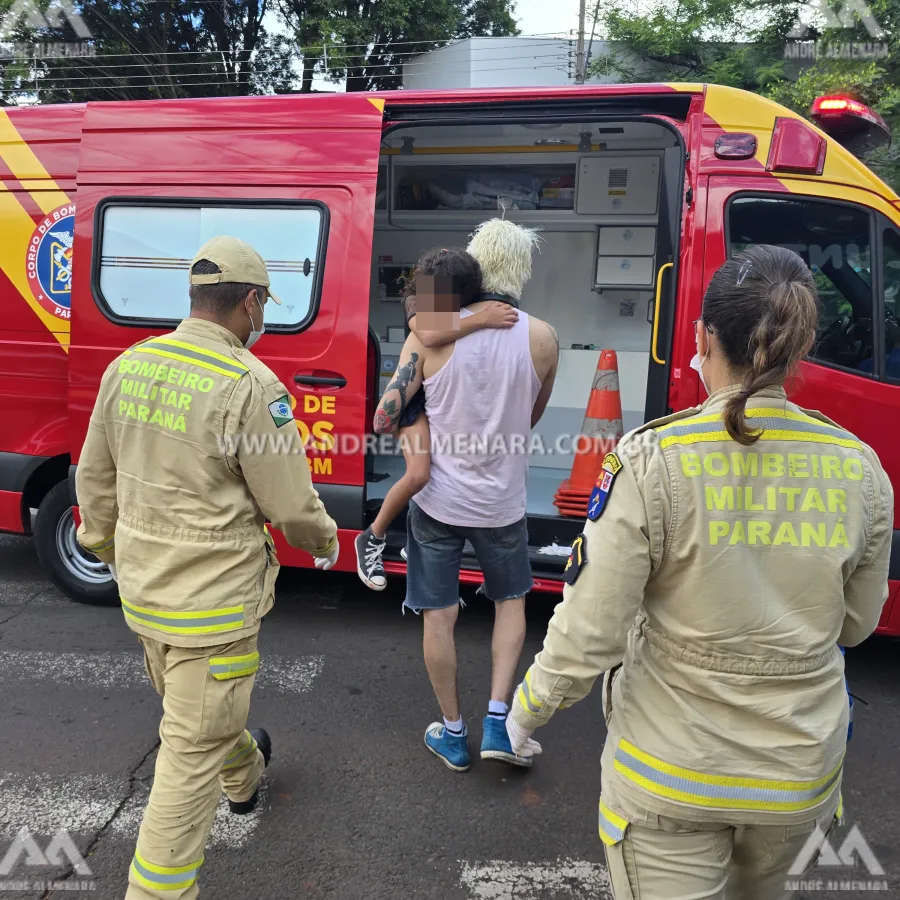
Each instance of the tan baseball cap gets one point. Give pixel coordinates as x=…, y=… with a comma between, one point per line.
x=238, y=262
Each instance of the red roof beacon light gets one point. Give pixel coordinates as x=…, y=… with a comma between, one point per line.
x=796, y=147
x=851, y=123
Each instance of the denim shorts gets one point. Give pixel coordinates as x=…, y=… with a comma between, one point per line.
x=434, y=553
x=413, y=409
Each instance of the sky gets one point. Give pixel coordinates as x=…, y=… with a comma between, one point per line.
x=557, y=17
x=548, y=16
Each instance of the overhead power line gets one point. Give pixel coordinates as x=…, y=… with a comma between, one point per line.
x=215, y=59
x=59, y=82
x=204, y=84
x=538, y=40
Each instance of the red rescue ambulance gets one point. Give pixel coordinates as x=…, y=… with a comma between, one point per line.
x=641, y=192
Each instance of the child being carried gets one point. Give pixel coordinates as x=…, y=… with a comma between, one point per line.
x=442, y=282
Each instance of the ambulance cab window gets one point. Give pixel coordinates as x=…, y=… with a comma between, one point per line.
x=891, y=264
x=834, y=240
x=146, y=250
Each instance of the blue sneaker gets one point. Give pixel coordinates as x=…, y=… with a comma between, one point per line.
x=495, y=744
x=451, y=749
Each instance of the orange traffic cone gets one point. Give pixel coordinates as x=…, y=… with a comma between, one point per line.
x=601, y=431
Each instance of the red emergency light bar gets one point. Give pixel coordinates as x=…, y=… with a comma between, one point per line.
x=851, y=123
x=832, y=107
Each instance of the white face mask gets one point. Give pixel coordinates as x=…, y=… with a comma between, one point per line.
x=254, y=334
x=697, y=366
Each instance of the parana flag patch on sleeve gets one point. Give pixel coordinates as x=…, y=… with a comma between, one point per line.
x=612, y=465
x=280, y=411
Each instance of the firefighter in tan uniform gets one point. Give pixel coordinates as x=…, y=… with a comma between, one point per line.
x=176, y=503
x=728, y=553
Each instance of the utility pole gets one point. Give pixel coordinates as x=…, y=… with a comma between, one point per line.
x=579, y=52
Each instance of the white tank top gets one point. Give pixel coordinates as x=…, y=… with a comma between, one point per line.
x=479, y=409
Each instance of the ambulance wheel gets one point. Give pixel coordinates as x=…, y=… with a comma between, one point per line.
x=77, y=573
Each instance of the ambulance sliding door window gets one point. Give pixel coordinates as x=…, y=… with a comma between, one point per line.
x=146, y=250
x=834, y=240
x=891, y=269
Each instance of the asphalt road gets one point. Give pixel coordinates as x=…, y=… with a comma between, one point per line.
x=354, y=807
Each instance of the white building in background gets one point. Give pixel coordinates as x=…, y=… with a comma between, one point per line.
x=487, y=62
x=491, y=62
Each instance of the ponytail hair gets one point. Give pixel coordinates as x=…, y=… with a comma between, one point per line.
x=762, y=306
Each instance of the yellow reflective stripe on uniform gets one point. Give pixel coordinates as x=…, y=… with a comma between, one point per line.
x=169, y=348
x=103, y=545
x=190, y=622
x=225, y=667
x=226, y=362
x=840, y=810
x=241, y=752
x=164, y=878
x=612, y=826
x=777, y=425
x=529, y=701
x=789, y=415
x=722, y=435
x=167, y=354
x=699, y=789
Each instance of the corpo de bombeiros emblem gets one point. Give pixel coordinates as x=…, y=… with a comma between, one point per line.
x=49, y=261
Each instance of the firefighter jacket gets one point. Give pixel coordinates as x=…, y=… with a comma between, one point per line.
x=721, y=580
x=184, y=461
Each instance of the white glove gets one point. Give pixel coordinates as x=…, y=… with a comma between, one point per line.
x=521, y=740
x=112, y=571
x=327, y=562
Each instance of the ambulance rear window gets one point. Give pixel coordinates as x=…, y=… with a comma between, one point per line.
x=146, y=250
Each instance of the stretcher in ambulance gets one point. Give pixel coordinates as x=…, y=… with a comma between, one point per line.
x=640, y=192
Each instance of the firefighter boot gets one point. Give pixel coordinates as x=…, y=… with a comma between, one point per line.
x=264, y=744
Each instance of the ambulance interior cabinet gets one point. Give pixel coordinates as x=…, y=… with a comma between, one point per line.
x=626, y=257
x=618, y=185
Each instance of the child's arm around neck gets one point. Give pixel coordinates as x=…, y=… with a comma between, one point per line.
x=490, y=314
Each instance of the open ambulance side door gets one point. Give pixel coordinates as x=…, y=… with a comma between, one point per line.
x=293, y=176
x=850, y=238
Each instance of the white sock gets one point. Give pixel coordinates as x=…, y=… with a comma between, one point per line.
x=455, y=728
x=497, y=709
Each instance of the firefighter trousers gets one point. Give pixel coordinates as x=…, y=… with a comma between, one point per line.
x=204, y=749
x=668, y=859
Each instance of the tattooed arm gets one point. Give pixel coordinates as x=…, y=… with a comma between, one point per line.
x=406, y=381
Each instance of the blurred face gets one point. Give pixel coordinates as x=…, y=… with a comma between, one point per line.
x=437, y=303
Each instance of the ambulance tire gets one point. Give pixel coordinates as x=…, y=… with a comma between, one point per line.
x=77, y=573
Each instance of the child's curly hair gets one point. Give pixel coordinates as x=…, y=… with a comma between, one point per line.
x=454, y=263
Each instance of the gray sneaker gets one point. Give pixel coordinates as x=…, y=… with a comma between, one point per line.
x=369, y=566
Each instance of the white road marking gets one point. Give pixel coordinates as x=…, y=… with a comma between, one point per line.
x=566, y=879
x=83, y=805
x=283, y=674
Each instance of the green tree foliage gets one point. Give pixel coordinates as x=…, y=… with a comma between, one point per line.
x=149, y=49
x=741, y=43
x=367, y=42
